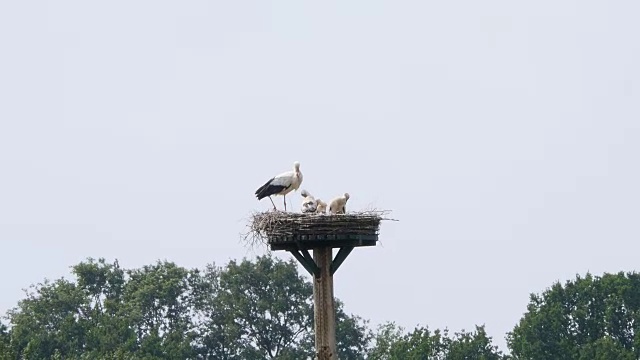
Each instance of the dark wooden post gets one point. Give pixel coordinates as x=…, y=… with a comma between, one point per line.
x=322, y=266
x=324, y=305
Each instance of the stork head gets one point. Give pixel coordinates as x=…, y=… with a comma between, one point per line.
x=304, y=193
x=346, y=196
x=296, y=166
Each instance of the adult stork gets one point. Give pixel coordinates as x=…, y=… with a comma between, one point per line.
x=281, y=184
x=339, y=204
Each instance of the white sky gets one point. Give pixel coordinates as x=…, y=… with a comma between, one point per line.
x=504, y=136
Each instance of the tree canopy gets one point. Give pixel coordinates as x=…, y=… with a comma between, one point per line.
x=587, y=318
x=249, y=310
x=258, y=309
x=263, y=309
x=392, y=343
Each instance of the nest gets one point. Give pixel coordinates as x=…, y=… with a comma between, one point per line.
x=273, y=226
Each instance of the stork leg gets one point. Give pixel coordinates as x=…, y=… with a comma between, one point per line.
x=285, y=202
x=274, y=205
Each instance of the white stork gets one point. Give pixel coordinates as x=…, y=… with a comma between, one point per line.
x=309, y=203
x=339, y=204
x=281, y=184
x=321, y=206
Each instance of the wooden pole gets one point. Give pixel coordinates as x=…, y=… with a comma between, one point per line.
x=324, y=306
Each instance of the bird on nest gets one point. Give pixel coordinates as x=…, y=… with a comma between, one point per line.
x=321, y=207
x=339, y=204
x=309, y=203
x=281, y=184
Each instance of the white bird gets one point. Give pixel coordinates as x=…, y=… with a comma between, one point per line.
x=339, y=204
x=281, y=184
x=309, y=203
x=321, y=206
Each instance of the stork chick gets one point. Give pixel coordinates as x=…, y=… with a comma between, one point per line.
x=281, y=184
x=339, y=204
x=309, y=203
x=321, y=206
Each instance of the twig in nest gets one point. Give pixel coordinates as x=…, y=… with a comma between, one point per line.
x=272, y=225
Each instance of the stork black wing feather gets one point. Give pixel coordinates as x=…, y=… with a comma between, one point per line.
x=268, y=189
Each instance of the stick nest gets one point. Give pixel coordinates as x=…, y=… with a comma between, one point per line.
x=266, y=227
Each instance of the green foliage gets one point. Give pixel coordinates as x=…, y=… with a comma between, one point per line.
x=352, y=334
x=258, y=309
x=52, y=317
x=247, y=310
x=589, y=318
x=6, y=352
x=105, y=312
x=387, y=336
x=473, y=345
x=391, y=343
x=158, y=302
x=111, y=328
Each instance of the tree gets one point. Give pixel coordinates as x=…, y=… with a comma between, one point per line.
x=388, y=334
x=6, y=352
x=263, y=310
x=52, y=317
x=258, y=309
x=473, y=345
x=111, y=329
x=391, y=343
x=106, y=312
x=588, y=318
x=353, y=335
x=159, y=301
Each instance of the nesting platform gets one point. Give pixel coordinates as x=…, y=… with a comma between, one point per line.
x=298, y=233
x=315, y=241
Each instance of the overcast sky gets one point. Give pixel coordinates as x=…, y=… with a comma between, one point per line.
x=503, y=135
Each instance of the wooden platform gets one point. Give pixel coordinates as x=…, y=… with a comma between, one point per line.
x=299, y=234
x=309, y=242
x=299, y=246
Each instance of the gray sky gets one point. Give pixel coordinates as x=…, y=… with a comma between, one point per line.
x=503, y=135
